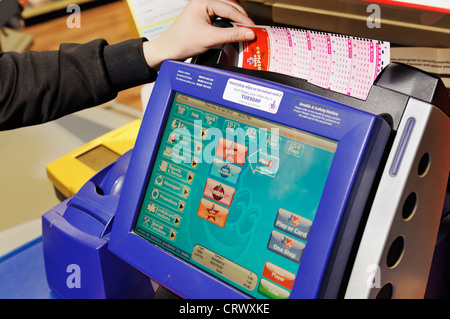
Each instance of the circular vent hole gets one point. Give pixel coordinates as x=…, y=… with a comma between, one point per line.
x=409, y=206
x=385, y=292
x=424, y=164
x=395, y=252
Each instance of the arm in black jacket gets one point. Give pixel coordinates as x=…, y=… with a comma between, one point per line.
x=36, y=87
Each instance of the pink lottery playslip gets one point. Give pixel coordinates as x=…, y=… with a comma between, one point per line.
x=344, y=64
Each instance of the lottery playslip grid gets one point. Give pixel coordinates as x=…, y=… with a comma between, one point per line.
x=344, y=64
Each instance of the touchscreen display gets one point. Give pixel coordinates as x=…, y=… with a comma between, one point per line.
x=235, y=195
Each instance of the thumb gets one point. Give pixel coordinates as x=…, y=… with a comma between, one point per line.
x=235, y=34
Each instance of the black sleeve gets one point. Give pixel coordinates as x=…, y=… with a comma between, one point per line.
x=36, y=87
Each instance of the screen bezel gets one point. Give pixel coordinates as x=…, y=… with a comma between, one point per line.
x=170, y=271
x=310, y=139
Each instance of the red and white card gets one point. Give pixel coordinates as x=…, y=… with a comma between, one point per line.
x=344, y=64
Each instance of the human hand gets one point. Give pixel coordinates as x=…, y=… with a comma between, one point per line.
x=192, y=32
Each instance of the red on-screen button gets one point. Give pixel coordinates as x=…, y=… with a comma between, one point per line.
x=279, y=275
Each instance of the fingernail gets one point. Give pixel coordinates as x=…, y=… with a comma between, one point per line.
x=250, y=35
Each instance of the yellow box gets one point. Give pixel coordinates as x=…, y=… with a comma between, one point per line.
x=70, y=172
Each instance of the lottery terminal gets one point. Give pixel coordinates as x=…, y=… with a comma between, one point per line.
x=245, y=183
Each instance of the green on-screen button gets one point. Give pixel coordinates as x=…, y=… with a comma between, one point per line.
x=272, y=291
